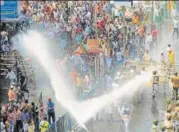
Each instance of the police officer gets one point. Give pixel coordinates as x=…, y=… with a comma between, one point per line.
x=155, y=83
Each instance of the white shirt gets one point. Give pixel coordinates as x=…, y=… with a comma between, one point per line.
x=175, y=23
x=2, y=127
x=68, y=28
x=11, y=75
x=88, y=14
x=115, y=44
x=119, y=56
x=156, y=12
x=70, y=4
x=25, y=126
x=113, y=28
x=162, y=58
x=148, y=42
x=174, y=13
x=87, y=78
x=120, y=26
x=55, y=14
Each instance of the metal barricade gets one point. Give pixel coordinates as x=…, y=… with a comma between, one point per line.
x=64, y=124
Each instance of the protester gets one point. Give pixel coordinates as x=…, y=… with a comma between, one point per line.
x=12, y=77
x=162, y=58
x=71, y=24
x=51, y=111
x=155, y=37
x=44, y=125
x=108, y=82
x=11, y=95
x=3, y=128
x=25, y=126
x=23, y=83
x=176, y=117
x=148, y=42
x=175, y=82
x=169, y=124
x=171, y=57
x=18, y=121
x=155, y=83
x=175, y=30
x=155, y=126
x=11, y=120
x=35, y=115
x=147, y=57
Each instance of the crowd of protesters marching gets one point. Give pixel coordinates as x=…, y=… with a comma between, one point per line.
x=19, y=114
x=72, y=23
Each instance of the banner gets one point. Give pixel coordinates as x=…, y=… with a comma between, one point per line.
x=9, y=9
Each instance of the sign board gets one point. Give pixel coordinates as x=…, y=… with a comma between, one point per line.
x=9, y=9
x=126, y=3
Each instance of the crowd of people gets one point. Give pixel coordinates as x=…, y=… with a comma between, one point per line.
x=5, y=46
x=19, y=114
x=123, y=32
x=171, y=119
x=27, y=117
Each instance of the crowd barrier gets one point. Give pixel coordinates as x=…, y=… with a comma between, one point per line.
x=67, y=123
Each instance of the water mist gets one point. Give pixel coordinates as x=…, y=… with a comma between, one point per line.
x=36, y=44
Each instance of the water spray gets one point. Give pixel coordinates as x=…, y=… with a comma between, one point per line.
x=35, y=43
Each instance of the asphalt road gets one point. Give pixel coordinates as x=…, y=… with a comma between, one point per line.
x=143, y=113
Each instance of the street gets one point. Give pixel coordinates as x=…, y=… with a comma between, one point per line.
x=144, y=112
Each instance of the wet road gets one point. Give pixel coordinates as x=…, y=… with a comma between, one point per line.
x=143, y=113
